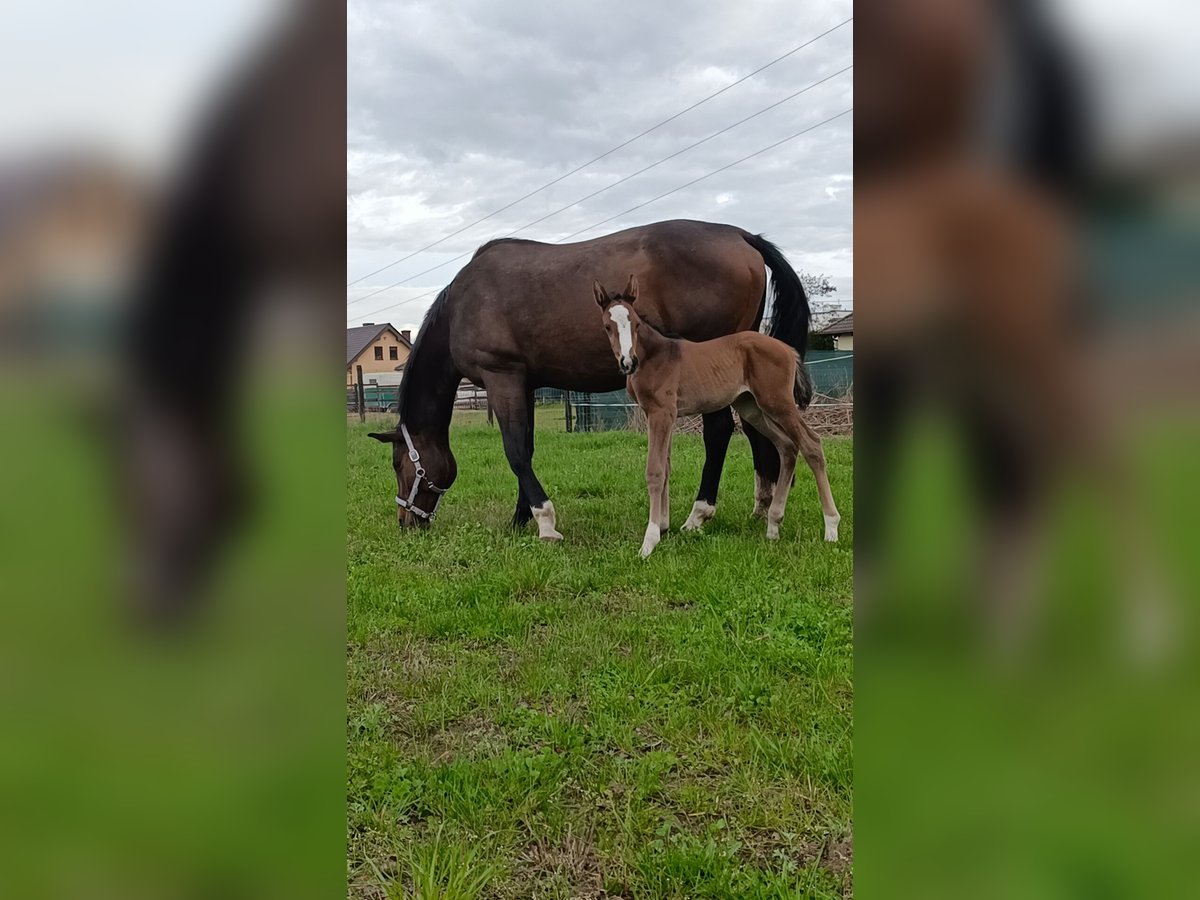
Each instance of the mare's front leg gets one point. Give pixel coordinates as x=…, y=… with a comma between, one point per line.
x=660, y=424
x=508, y=395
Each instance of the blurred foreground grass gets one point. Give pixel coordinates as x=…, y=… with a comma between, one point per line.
x=203, y=763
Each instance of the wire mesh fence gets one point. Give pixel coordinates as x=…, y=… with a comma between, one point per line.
x=830, y=412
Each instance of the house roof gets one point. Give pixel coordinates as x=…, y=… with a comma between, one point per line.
x=844, y=325
x=363, y=336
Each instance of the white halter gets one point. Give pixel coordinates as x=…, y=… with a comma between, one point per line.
x=409, y=504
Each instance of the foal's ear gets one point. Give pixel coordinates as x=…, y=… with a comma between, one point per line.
x=386, y=437
x=631, y=289
x=602, y=297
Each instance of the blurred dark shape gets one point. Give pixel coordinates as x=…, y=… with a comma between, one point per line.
x=970, y=124
x=1025, y=399
x=258, y=208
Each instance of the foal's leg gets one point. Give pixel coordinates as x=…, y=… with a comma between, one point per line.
x=785, y=445
x=660, y=424
x=718, y=429
x=766, y=468
x=664, y=505
x=810, y=447
x=509, y=398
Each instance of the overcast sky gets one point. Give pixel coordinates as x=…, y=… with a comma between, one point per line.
x=457, y=109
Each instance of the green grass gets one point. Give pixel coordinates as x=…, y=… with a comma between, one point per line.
x=549, y=721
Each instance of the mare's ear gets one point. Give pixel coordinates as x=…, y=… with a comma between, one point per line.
x=631, y=289
x=386, y=437
x=602, y=297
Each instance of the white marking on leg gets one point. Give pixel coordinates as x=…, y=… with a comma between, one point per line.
x=773, y=527
x=653, y=534
x=831, y=527
x=620, y=316
x=544, y=515
x=701, y=513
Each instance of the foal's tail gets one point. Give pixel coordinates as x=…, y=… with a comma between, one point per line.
x=790, y=315
x=802, y=390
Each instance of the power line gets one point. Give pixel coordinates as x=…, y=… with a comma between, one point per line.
x=790, y=137
x=602, y=155
x=614, y=184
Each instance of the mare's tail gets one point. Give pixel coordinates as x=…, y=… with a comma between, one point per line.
x=790, y=314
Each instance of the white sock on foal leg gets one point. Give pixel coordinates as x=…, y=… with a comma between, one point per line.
x=653, y=534
x=701, y=513
x=544, y=515
x=831, y=527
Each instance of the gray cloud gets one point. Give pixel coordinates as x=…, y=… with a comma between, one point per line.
x=458, y=109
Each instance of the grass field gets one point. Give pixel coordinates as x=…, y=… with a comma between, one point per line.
x=567, y=721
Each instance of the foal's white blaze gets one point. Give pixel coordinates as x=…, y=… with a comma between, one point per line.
x=620, y=316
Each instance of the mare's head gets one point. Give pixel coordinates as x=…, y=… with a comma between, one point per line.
x=420, y=482
x=621, y=322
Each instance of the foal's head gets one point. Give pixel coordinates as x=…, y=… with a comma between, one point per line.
x=621, y=322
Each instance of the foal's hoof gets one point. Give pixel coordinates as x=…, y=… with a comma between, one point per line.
x=760, y=512
x=551, y=537
x=831, y=528
x=772, y=533
x=653, y=536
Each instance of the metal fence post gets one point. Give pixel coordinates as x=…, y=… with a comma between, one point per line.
x=567, y=409
x=362, y=403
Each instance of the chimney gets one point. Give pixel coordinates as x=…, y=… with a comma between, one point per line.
x=407, y=335
x=365, y=324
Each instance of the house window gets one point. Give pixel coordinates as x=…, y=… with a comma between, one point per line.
x=379, y=353
x=393, y=352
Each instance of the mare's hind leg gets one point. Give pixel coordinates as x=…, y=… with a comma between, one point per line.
x=766, y=468
x=718, y=429
x=523, y=514
x=509, y=396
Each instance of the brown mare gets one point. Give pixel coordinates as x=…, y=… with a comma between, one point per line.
x=762, y=378
x=518, y=317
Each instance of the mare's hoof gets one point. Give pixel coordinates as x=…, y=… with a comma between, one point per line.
x=701, y=512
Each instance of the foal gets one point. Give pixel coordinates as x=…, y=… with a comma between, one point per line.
x=670, y=377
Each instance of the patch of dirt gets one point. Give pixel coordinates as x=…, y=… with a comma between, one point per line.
x=474, y=735
x=571, y=860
